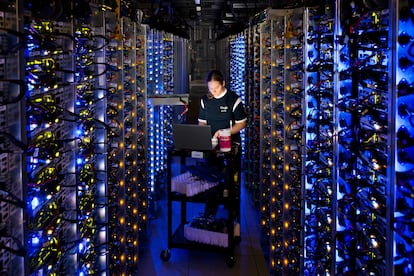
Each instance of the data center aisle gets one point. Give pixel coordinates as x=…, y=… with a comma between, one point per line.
x=249, y=257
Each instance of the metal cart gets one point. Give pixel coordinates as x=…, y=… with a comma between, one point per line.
x=226, y=192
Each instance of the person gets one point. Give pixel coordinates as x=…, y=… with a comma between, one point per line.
x=222, y=109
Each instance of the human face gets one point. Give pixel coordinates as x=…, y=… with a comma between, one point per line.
x=215, y=88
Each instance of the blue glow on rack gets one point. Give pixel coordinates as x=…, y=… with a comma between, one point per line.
x=35, y=240
x=79, y=132
x=81, y=247
x=34, y=203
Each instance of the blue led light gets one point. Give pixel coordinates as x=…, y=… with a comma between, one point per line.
x=34, y=203
x=81, y=247
x=35, y=240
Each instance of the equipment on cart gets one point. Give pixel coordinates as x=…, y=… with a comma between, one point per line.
x=192, y=137
x=197, y=184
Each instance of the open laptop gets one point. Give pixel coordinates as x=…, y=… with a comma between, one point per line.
x=192, y=137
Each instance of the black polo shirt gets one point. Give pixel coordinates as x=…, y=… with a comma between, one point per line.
x=219, y=112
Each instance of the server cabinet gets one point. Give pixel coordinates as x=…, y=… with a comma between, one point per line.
x=73, y=123
x=356, y=167
x=281, y=138
x=401, y=202
x=13, y=141
x=237, y=75
x=126, y=113
x=159, y=84
x=251, y=166
x=91, y=99
x=142, y=134
x=51, y=138
x=364, y=119
x=319, y=170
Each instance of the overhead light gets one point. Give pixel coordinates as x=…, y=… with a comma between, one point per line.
x=243, y=5
x=225, y=21
x=198, y=8
x=197, y=2
x=229, y=14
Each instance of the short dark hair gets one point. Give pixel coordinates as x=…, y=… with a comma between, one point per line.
x=215, y=75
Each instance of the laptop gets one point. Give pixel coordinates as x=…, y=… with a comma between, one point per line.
x=192, y=137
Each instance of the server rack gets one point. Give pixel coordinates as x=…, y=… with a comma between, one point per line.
x=401, y=202
x=13, y=141
x=143, y=173
x=252, y=104
x=237, y=74
x=319, y=205
x=265, y=131
x=357, y=62
x=76, y=114
x=160, y=71
x=281, y=138
x=364, y=118
x=91, y=95
x=165, y=105
x=51, y=136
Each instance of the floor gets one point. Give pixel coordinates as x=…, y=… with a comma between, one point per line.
x=249, y=259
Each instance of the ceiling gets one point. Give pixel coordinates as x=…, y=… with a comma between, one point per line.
x=223, y=16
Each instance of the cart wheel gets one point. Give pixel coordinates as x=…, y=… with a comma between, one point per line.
x=165, y=255
x=230, y=261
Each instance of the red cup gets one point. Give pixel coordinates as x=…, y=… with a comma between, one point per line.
x=225, y=140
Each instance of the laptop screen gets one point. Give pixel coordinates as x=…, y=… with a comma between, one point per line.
x=192, y=137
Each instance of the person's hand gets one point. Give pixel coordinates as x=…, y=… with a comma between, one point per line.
x=217, y=134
